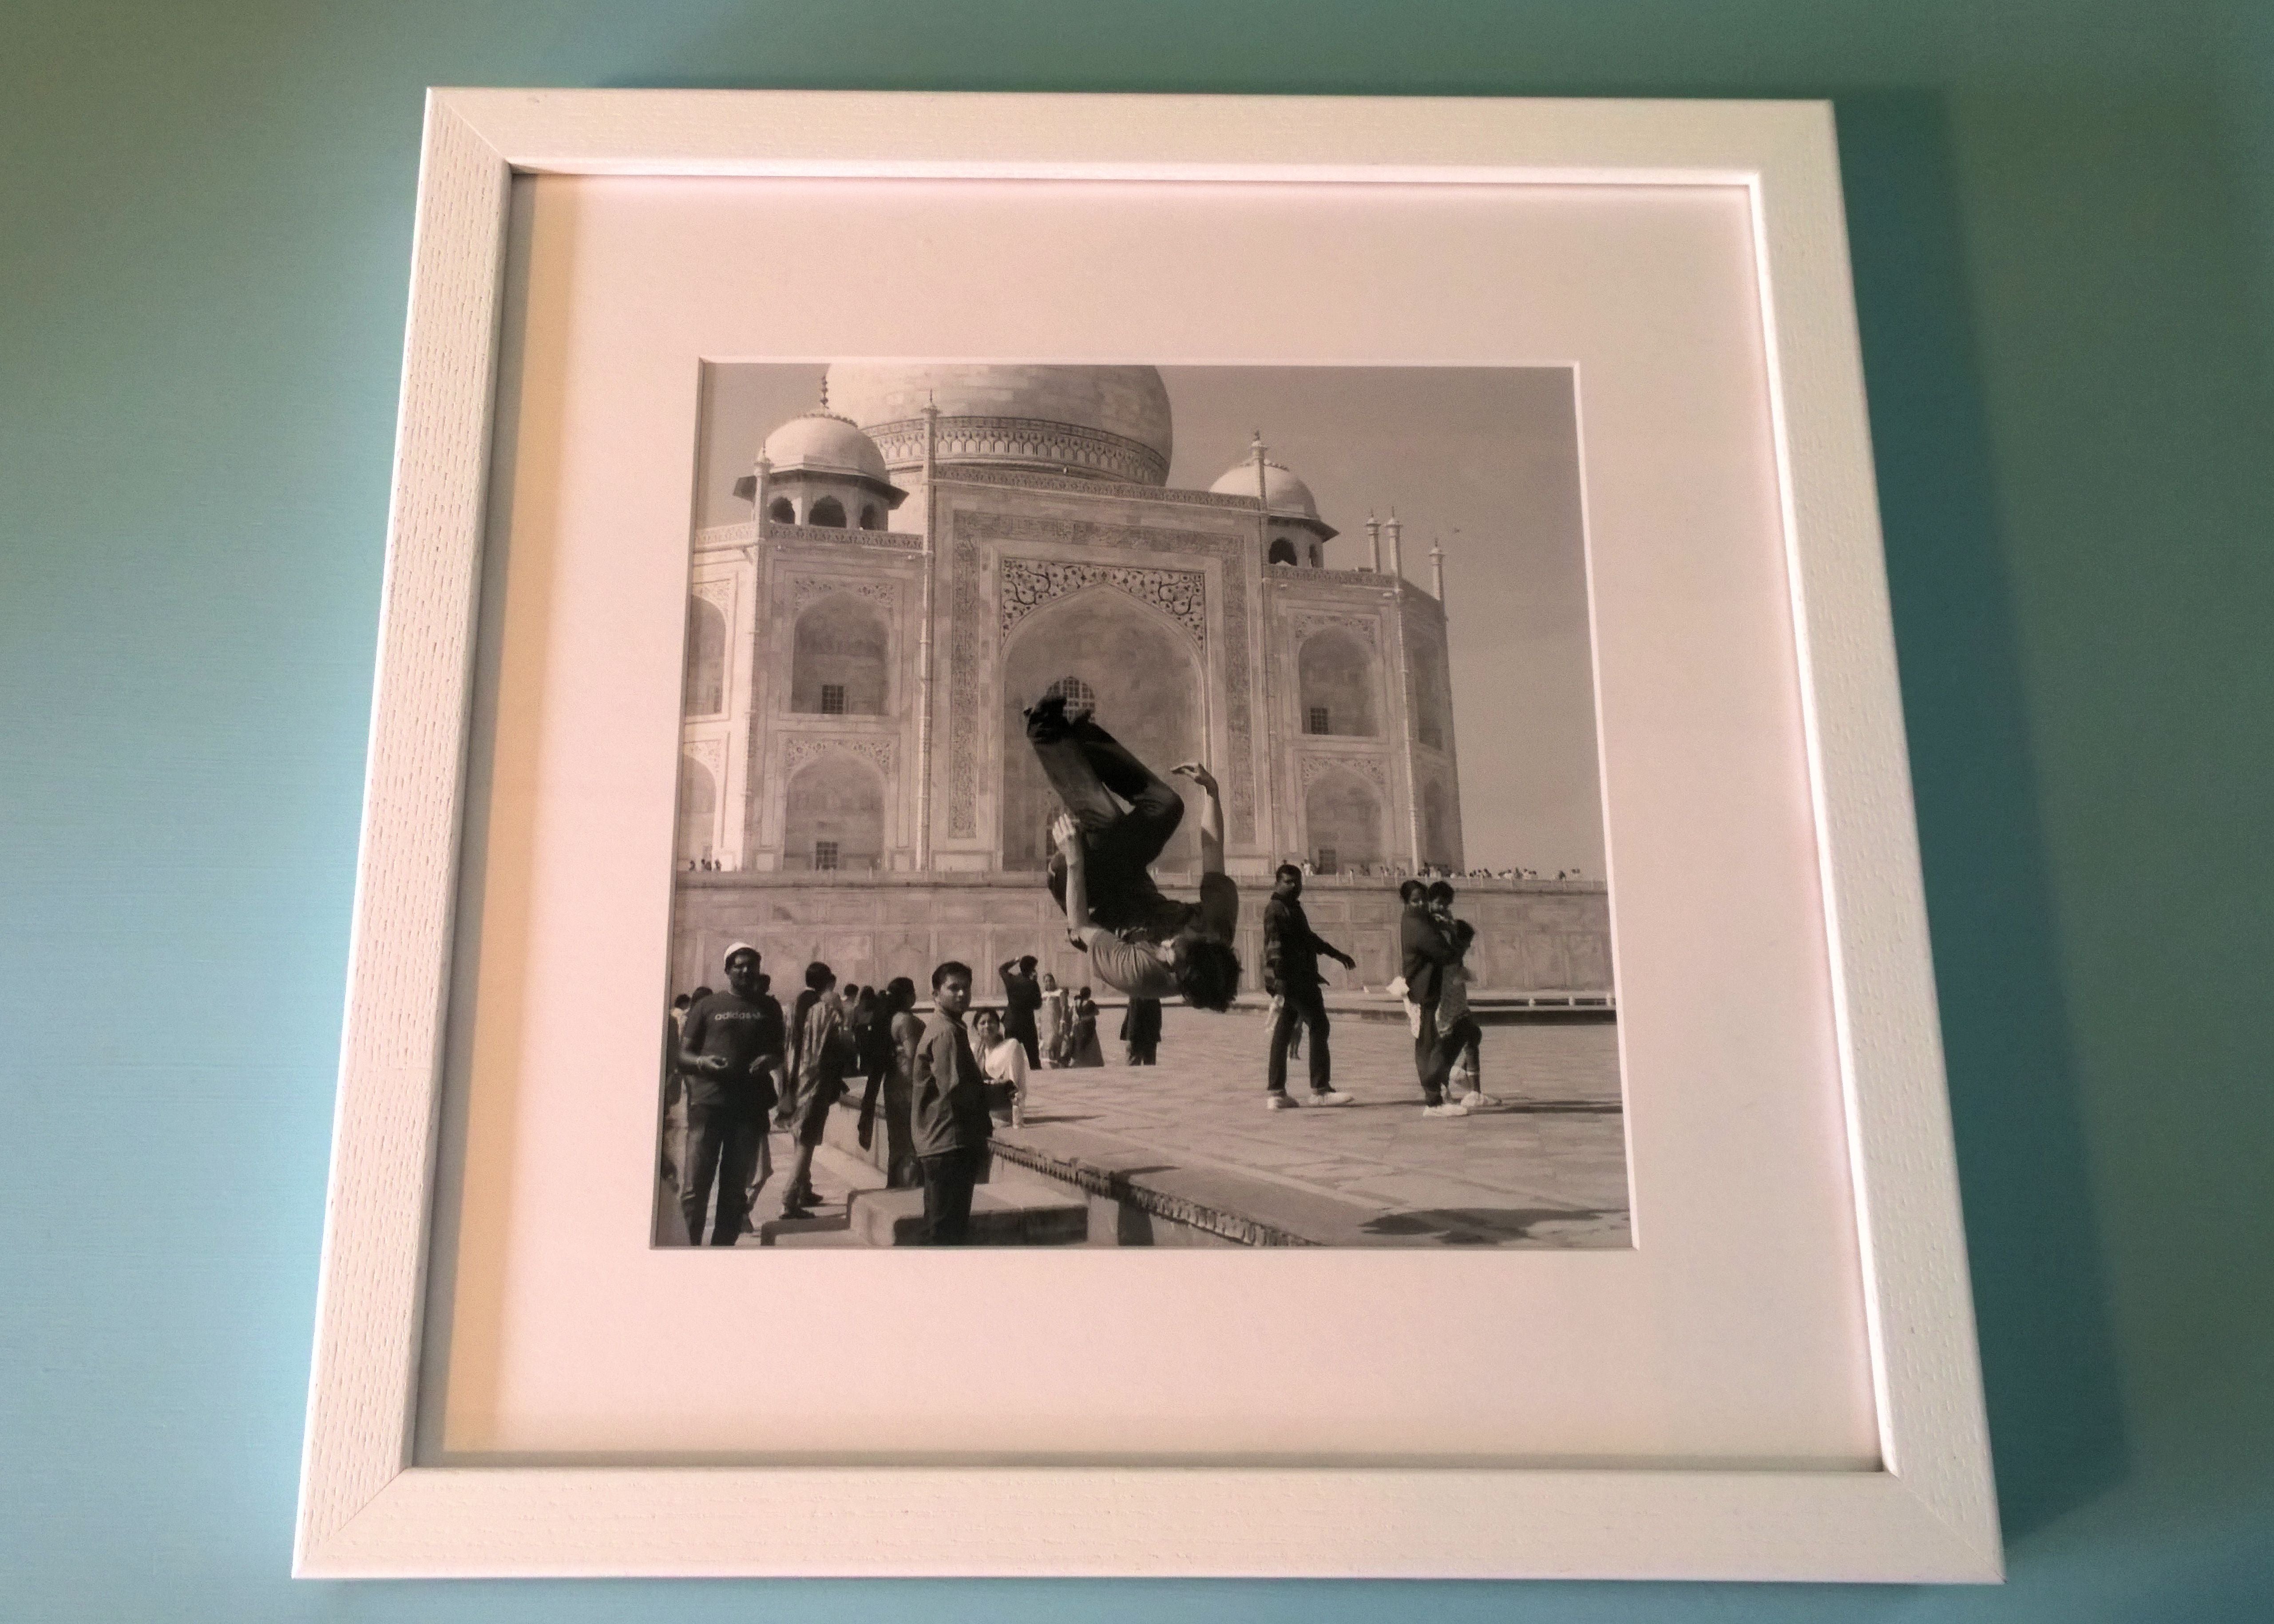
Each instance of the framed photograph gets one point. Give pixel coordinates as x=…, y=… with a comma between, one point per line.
x=1138, y=835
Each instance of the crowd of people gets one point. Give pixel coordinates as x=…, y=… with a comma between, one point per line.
x=737, y=1069
x=737, y=1064
x=1427, y=872
x=1057, y=1029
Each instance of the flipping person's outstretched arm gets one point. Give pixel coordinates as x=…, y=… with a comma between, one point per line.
x=1081, y=929
x=1211, y=816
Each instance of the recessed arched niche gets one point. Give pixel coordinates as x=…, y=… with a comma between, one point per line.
x=698, y=807
x=1436, y=825
x=1338, y=680
x=706, y=658
x=1139, y=672
x=834, y=816
x=1342, y=821
x=840, y=658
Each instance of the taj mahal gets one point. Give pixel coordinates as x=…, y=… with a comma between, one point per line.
x=934, y=545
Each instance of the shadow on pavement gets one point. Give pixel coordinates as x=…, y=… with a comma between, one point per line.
x=1477, y=1226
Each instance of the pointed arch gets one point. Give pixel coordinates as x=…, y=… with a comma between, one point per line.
x=841, y=657
x=698, y=808
x=706, y=658
x=1342, y=821
x=1145, y=677
x=1338, y=681
x=833, y=815
x=1438, y=845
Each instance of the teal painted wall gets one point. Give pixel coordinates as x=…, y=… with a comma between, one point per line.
x=2063, y=217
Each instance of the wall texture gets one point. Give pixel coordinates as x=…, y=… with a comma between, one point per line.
x=2063, y=223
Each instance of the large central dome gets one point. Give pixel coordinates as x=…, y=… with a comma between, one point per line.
x=1105, y=422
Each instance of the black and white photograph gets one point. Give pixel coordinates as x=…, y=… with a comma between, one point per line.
x=1138, y=805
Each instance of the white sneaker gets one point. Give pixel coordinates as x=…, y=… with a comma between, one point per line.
x=1277, y=1102
x=1331, y=1096
x=1447, y=1110
x=1476, y=1099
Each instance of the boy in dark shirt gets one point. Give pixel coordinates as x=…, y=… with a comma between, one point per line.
x=726, y=1050
x=949, y=1109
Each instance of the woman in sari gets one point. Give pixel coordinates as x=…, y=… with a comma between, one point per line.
x=1082, y=1047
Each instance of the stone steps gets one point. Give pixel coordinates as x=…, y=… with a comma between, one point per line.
x=1014, y=1208
x=1009, y=1210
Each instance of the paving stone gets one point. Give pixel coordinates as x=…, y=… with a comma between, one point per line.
x=1548, y=1169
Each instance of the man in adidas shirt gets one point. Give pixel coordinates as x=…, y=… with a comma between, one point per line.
x=728, y=1047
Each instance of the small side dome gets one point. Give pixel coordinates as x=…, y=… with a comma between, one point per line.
x=819, y=450
x=822, y=442
x=1285, y=496
x=1281, y=490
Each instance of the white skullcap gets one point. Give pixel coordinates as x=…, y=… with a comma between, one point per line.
x=740, y=947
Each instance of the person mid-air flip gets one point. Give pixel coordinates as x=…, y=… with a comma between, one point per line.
x=1119, y=817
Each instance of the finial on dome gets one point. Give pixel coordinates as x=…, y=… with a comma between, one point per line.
x=824, y=391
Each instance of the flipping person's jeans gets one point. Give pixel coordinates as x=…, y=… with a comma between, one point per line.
x=1089, y=768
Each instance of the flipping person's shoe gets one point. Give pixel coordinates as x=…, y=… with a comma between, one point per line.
x=1047, y=718
x=1277, y=1101
x=1476, y=1101
x=1330, y=1096
x=1447, y=1109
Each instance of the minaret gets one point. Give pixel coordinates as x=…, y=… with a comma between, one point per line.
x=1263, y=498
x=923, y=630
x=1404, y=689
x=759, y=471
x=1374, y=543
x=1437, y=568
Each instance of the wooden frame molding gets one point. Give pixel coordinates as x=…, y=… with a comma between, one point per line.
x=366, y=1510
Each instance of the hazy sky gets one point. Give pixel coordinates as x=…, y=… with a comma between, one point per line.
x=1483, y=459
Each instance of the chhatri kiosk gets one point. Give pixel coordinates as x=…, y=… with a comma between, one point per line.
x=938, y=544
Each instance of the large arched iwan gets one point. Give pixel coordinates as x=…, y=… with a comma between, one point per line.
x=1147, y=677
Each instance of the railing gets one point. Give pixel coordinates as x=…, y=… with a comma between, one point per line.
x=839, y=536
x=712, y=538
x=1339, y=577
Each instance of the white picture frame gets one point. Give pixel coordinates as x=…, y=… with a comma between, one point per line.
x=368, y=1509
